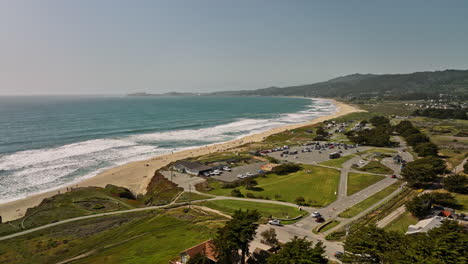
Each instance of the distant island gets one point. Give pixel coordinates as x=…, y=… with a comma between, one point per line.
x=411, y=86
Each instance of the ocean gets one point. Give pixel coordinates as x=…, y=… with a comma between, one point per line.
x=48, y=142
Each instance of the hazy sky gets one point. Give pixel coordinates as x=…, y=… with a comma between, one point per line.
x=116, y=47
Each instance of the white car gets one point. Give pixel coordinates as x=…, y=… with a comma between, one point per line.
x=362, y=162
x=316, y=214
x=248, y=174
x=275, y=222
x=226, y=168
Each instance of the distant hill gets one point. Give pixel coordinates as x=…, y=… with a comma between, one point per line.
x=418, y=85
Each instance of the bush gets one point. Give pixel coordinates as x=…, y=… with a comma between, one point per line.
x=285, y=169
x=426, y=149
x=300, y=201
x=250, y=195
x=416, y=139
x=465, y=168
x=236, y=193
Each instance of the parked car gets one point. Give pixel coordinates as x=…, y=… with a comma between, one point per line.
x=362, y=162
x=338, y=254
x=319, y=219
x=393, y=176
x=316, y=214
x=206, y=174
x=226, y=168
x=275, y=222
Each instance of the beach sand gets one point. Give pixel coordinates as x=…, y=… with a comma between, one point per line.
x=136, y=175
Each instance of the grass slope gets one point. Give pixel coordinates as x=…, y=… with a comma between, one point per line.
x=402, y=222
x=143, y=237
x=318, y=186
x=360, y=181
x=265, y=209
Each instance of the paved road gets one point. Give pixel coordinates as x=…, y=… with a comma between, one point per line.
x=391, y=217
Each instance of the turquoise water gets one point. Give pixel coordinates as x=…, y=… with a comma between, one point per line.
x=46, y=142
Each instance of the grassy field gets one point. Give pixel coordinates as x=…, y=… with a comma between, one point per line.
x=265, y=209
x=317, y=187
x=375, y=167
x=356, y=209
x=144, y=237
x=186, y=197
x=360, y=181
x=338, y=163
x=402, y=222
x=78, y=202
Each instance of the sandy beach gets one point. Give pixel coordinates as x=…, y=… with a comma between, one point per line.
x=136, y=175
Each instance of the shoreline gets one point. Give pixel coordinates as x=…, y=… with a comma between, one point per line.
x=137, y=175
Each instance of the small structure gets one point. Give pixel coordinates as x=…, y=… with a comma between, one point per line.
x=192, y=168
x=398, y=159
x=268, y=166
x=205, y=249
x=425, y=225
x=334, y=155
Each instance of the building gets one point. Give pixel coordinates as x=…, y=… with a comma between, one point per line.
x=425, y=225
x=192, y=168
x=205, y=249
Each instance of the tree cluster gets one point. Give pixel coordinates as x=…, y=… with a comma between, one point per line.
x=378, y=136
x=299, y=251
x=415, y=138
x=424, y=170
x=446, y=244
x=456, y=183
x=458, y=113
x=420, y=206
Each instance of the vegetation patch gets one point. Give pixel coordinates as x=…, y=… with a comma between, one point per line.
x=161, y=191
x=187, y=197
x=143, y=237
x=360, y=181
x=356, y=209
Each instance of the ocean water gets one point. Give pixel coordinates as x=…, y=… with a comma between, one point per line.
x=48, y=142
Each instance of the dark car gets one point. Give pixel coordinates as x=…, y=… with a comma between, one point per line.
x=319, y=219
x=338, y=254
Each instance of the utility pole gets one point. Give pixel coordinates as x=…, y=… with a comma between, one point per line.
x=190, y=194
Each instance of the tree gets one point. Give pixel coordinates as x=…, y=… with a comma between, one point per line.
x=456, y=183
x=236, y=193
x=299, y=251
x=420, y=206
x=443, y=245
x=465, y=168
x=250, y=183
x=369, y=245
x=379, y=121
x=416, y=139
x=285, y=169
x=269, y=238
x=423, y=170
x=199, y=259
x=236, y=235
x=426, y=149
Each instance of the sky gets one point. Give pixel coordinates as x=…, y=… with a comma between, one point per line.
x=119, y=47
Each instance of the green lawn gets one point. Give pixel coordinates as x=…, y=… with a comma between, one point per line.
x=356, y=209
x=186, y=197
x=402, y=222
x=360, y=181
x=462, y=199
x=317, y=187
x=265, y=209
x=143, y=237
x=381, y=150
x=338, y=163
x=375, y=167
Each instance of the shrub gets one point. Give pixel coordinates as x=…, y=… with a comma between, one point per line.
x=250, y=195
x=285, y=169
x=236, y=193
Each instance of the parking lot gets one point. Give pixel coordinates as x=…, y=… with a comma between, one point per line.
x=230, y=176
x=314, y=156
